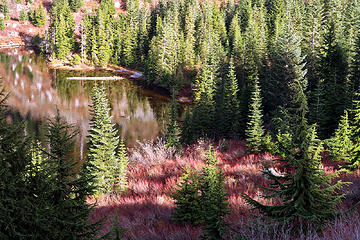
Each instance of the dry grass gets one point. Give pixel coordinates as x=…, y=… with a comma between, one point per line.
x=144, y=211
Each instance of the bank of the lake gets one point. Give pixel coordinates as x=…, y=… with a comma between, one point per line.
x=37, y=91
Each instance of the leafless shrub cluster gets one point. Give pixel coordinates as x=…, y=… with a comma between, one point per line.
x=149, y=153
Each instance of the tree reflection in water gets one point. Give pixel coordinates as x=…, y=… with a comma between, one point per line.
x=37, y=91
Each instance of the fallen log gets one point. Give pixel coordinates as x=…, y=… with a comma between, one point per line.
x=96, y=78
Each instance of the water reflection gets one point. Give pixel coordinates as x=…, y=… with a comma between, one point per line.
x=36, y=93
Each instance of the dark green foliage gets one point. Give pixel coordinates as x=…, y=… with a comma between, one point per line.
x=105, y=153
x=355, y=67
x=202, y=199
x=187, y=200
x=214, y=204
x=334, y=75
x=340, y=144
x=353, y=156
x=23, y=16
x=2, y=24
x=173, y=131
x=255, y=126
x=37, y=17
x=306, y=193
x=43, y=194
x=70, y=188
x=62, y=29
x=227, y=106
x=4, y=8
x=75, y=5
x=186, y=129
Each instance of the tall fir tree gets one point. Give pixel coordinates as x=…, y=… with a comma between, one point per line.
x=70, y=188
x=334, y=74
x=255, y=132
x=306, y=193
x=227, y=112
x=173, y=131
x=353, y=156
x=103, y=145
x=341, y=143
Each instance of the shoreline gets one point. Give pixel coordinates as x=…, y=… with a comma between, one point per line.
x=183, y=98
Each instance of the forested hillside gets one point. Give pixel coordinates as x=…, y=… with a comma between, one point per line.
x=273, y=127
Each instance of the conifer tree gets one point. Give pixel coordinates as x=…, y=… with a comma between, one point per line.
x=187, y=199
x=23, y=16
x=214, y=204
x=334, y=73
x=227, y=105
x=352, y=157
x=62, y=29
x=313, y=32
x=355, y=68
x=340, y=143
x=103, y=144
x=187, y=135
x=69, y=189
x=75, y=5
x=13, y=189
x=305, y=191
x=255, y=126
x=204, y=108
x=173, y=131
x=201, y=199
x=237, y=46
x=2, y=24
x=121, y=168
x=38, y=18
x=4, y=8
x=104, y=45
x=189, y=32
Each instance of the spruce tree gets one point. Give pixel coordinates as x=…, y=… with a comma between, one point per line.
x=4, y=8
x=214, y=204
x=306, y=193
x=104, y=45
x=353, y=156
x=255, y=126
x=204, y=107
x=2, y=24
x=201, y=199
x=23, y=16
x=14, y=159
x=75, y=5
x=173, y=131
x=62, y=27
x=355, y=68
x=189, y=32
x=228, y=117
x=187, y=199
x=69, y=188
x=103, y=144
x=334, y=73
x=38, y=17
x=340, y=144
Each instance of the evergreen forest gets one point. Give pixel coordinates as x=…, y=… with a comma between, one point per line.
x=267, y=148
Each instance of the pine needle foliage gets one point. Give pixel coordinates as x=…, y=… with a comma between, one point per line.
x=341, y=143
x=70, y=185
x=187, y=199
x=306, y=193
x=173, y=130
x=353, y=157
x=201, y=199
x=255, y=126
x=103, y=142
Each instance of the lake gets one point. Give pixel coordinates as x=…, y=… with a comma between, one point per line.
x=36, y=92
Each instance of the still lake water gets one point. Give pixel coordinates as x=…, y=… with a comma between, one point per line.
x=37, y=91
